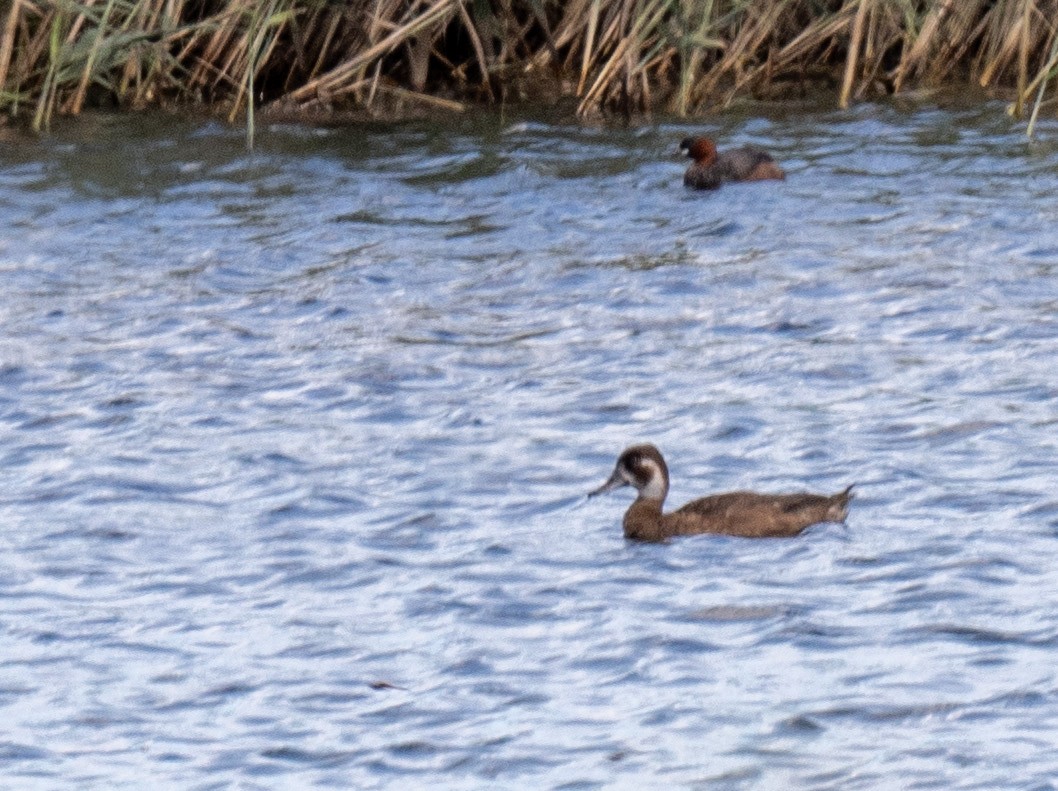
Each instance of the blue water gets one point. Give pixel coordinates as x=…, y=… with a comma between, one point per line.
x=294, y=449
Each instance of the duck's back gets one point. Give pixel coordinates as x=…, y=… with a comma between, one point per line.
x=737, y=164
x=756, y=515
x=748, y=164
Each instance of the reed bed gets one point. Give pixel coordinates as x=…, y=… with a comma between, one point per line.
x=626, y=56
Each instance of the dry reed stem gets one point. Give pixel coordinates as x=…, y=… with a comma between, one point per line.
x=74, y=105
x=1045, y=74
x=691, y=58
x=622, y=54
x=1023, y=57
x=589, y=46
x=332, y=30
x=923, y=45
x=424, y=98
x=966, y=24
x=740, y=55
x=814, y=38
x=622, y=51
x=75, y=28
x=479, y=50
x=7, y=40
x=571, y=24
x=1004, y=43
x=1047, y=71
x=332, y=80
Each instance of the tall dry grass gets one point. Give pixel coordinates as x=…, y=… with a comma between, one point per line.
x=682, y=56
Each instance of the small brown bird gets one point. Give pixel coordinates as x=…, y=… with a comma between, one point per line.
x=735, y=513
x=711, y=169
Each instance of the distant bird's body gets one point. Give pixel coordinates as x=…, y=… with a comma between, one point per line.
x=735, y=513
x=711, y=168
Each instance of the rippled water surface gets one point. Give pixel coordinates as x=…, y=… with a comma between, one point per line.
x=295, y=446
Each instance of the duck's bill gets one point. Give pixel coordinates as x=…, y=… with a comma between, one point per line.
x=615, y=482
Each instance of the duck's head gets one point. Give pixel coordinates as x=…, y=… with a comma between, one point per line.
x=701, y=149
x=640, y=466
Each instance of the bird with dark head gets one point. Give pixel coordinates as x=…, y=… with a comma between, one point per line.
x=735, y=513
x=712, y=168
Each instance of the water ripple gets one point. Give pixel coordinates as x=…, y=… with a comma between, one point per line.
x=297, y=444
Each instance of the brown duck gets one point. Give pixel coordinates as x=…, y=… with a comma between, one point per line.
x=711, y=168
x=734, y=514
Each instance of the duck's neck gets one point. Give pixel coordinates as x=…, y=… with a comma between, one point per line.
x=643, y=520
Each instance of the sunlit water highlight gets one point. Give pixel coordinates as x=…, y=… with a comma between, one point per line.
x=295, y=447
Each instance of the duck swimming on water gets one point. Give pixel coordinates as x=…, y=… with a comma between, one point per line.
x=711, y=168
x=735, y=513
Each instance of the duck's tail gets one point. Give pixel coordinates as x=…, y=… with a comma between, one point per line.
x=839, y=504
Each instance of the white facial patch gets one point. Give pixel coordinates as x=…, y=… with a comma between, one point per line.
x=655, y=485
